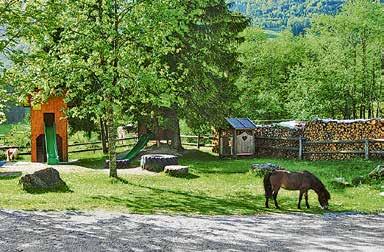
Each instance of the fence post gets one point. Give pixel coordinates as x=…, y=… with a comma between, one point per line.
x=301, y=148
x=366, y=149
x=198, y=141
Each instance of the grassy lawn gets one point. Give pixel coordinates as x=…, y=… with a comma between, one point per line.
x=216, y=187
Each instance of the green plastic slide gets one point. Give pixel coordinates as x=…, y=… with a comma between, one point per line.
x=141, y=143
x=50, y=145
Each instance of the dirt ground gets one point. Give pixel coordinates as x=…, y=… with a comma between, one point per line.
x=28, y=167
x=99, y=231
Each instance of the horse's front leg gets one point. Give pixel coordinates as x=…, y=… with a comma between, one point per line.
x=306, y=198
x=300, y=198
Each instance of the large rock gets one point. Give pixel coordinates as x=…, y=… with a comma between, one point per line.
x=262, y=169
x=157, y=162
x=44, y=180
x=340, y=183
x=176, y=170
x=377, y=173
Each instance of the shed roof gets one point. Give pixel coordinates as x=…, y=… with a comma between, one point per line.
x=241, y=123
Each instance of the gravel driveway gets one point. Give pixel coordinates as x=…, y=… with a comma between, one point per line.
x=29, y=167
x=99, y=231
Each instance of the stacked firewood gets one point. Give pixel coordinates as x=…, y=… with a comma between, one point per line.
x=320, y=130
x=278, y=140
x=347, y=136
x=215, y=141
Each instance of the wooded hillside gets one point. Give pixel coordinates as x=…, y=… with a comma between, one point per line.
x=278, y=15
x=336, y=70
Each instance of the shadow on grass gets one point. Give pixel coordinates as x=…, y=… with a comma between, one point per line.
x=10, y=175
x=92, y=163
x=158, y=200
x=65, y=189
x=188, y=176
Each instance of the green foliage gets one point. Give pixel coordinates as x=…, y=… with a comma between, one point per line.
x=19, y=135
x=80, y=137
x=2, y=155
x=278, y=15
x=267, y=64
x=335, y=70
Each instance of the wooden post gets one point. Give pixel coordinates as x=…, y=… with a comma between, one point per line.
x=198, y=141
x=366, y=149
x=220, y=143
x=234, y=143
x=301, y=148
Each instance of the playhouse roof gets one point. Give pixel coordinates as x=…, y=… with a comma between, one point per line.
x=241, y=123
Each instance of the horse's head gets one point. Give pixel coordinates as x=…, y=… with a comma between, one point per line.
x=324, y=196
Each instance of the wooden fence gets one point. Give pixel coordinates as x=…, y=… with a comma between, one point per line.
x=187, y=140
x=302, y=144
x=197, y=141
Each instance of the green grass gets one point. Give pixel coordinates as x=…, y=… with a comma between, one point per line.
x=216, y=187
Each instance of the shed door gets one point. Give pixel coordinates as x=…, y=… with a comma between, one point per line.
x=245, y=143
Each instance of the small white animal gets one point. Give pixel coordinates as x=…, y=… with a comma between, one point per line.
x=12, y=154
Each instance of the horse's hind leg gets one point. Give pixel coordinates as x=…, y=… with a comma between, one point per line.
x=306, y=198
x=275, y=192
x=268, y=194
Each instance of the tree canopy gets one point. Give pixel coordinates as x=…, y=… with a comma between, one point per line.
x=335, y=70
x=109, y=57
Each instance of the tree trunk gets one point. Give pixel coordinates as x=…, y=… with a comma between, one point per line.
x=172, y=116
x=110, y=109
x=176, y=138
x=365, y=77
x=104, y=136
x=111, y=142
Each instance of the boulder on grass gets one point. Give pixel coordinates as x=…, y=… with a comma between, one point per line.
x=340, y=183
x=176, y=170
x=262, y=169
x=157, y=162
x=46, y=180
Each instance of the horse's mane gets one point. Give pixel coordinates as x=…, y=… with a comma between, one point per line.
x=318, y=181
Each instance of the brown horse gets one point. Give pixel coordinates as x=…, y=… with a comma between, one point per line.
x=302, y=181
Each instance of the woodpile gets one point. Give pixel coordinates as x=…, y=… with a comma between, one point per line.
x=322, y=139
x=279, y=140
x=347, y=136
x=332, y=130
x=215, y=141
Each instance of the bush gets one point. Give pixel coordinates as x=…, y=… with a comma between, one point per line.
x=377, y=173
x=81, y=137
x=2, y=155
x=360, y=180
x=19, y=135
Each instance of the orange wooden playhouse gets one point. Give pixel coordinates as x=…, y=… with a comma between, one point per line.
x=42, y=115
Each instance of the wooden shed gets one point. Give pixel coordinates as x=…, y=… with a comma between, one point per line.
x=49, y=131
x=238, y=138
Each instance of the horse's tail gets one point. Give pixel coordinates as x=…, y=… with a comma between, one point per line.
x=268, y=185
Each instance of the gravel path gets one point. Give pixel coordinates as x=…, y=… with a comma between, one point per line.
x=28, y=167
x=98, y=231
